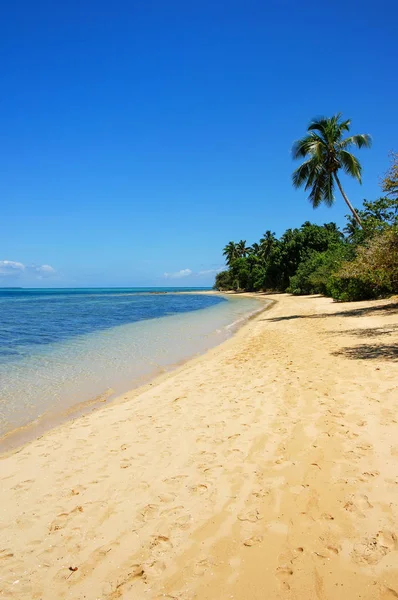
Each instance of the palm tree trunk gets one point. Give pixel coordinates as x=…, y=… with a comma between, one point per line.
x=352, y=209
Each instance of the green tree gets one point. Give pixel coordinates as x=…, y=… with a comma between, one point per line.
x=327, y=152
x=313, y=275
x=266, y=244
x=230, y=252
x=376, y=216
x=224, y=281
x=241, y=274
x=241, y=249
x=254, y=249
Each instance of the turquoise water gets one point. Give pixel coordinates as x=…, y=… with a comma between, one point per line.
x=31, y=318
x=62, y=347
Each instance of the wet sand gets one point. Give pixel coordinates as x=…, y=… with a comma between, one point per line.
x=267, y=468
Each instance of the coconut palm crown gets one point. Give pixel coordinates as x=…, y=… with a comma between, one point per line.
x=326, y=152
x=230, y=252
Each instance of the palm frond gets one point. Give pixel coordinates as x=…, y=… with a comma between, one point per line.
x=362, y=140
x=311, y=144
x=316, y=168
x=350, y=164
x=345, y=125
x=331, y=129
x=319, y=124
x=322, y=190
x=301, y=174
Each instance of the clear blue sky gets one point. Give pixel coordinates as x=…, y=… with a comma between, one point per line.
x=138, y=138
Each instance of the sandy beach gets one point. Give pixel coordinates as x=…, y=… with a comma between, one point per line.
x=266, y=468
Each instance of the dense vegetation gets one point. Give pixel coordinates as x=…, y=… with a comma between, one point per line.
x=360, y=262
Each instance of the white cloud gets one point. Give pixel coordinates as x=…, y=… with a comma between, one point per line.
x=47, y=269
x=178, y=274
x=14, y=269
x=11, y=267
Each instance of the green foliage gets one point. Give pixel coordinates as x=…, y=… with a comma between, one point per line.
x=313, y=275
x=373, y=272
x=376, y=216
x=223, y=281
x=271, y=263
x=326, y=152
x=230, y=252
x=314, y=259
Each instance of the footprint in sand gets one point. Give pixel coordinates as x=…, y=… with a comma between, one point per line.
x=210, y=469
x=167, y=497
x=251, y=515
x=180, y=519
x=6, y=553
x=147, y=512
x=76, y=490
x=174, y=480
x=161, y=541
x=328, y=551
x=236, y=452
x=371, y=550
x=202, y=566
x=369, y=475
x=63, y=518
x=284, y=574
x=155, y=568
x=358, y=504
x=24, y=485
x=174, y=510
x=254, y=540
x=201, y=488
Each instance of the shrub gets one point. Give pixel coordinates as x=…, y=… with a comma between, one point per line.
x=313, y=275
x=223, y=281
x=373, y=273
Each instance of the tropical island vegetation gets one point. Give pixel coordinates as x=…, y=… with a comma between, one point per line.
x=359, y=262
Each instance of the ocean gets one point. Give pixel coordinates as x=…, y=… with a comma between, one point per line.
x=62, y=347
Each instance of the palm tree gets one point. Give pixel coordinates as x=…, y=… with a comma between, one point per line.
x=266, y=244
x=254, y=249
x=230, y=252
x=326, y=153
x=242, y=249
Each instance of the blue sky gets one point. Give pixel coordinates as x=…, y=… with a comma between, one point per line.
x=138, y=138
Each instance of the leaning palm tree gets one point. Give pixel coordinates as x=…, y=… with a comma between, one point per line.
x=230, y=252
x=326, y=153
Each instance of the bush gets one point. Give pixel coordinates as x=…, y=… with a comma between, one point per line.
x=313, y=275
x=373, y=273
x=223, y=281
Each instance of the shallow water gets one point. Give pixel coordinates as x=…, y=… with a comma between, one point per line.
x=62, y=347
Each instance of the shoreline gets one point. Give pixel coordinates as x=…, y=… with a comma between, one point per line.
x=268, y=463
x=18, y=437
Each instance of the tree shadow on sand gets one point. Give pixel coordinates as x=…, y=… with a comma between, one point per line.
x=367, y=332
x=369, y=351
x=378, y=309
x=366, y=351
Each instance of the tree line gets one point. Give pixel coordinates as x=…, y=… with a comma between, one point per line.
x=359, y=262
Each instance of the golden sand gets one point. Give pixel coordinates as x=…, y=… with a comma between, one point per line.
x=265, y=469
